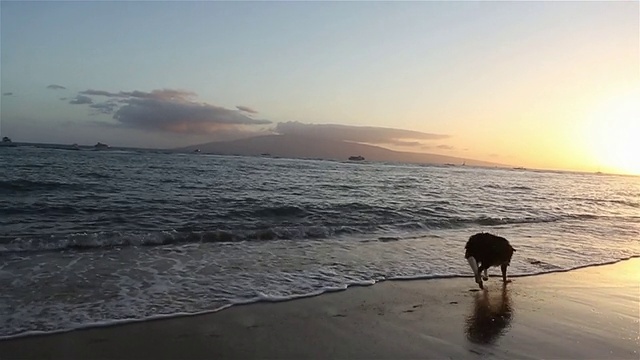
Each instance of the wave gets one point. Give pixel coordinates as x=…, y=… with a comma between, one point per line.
x=328, y=228
x=489, y=221
x=261, y=298
x=107, y=240
x=8, y=186
x=505, y=187
x=495, y=221
x=38, y=209
x=371, y=218
x=280, y=211
x=96, y=175
x=629, y=203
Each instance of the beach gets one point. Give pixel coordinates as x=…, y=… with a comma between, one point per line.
x=589, y=313
x=234, y=180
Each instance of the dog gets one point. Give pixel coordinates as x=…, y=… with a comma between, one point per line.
x=484, y=250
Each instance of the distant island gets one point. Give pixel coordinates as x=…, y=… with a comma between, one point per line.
x=75, y=147
x=294, y=147
x=301, y=147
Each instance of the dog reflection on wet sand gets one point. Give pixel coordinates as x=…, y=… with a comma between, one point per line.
x=491, y=316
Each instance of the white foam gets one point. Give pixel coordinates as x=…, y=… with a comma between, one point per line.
x=86, y=289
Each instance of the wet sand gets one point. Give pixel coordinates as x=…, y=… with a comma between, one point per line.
x=591, y=313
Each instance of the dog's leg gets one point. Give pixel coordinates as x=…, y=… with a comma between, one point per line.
x=478, y=278
x=486, y=276
x=474, y=266
x=503, y=267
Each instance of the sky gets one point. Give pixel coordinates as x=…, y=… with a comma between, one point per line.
x=551, y=85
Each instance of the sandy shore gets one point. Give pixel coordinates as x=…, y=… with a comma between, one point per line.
x=590, y=313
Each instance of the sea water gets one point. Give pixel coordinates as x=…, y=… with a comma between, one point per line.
x=102, y=237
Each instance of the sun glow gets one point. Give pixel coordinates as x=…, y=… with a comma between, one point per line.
x=614, y=135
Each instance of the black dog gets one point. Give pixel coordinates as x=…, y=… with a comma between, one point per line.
x=484, y=250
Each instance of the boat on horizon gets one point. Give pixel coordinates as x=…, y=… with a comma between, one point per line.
x=356, y=158
x=6, y=142
x=100, y=146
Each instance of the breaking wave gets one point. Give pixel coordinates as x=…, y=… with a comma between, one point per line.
x=105, y=239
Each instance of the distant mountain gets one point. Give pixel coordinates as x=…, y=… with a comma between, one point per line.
x=294, y=146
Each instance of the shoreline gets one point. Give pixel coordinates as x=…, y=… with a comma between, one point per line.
x=591, y=312
x=161, y=317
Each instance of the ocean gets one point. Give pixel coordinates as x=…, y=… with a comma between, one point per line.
x=101, y=237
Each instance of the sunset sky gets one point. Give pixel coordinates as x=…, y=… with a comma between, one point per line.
x=552, y=85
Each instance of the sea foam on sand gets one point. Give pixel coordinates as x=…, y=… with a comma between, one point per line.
x=587, y=313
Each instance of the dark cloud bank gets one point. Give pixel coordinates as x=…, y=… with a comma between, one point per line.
x=177, y=111
x=168, y=110
x=359, y=134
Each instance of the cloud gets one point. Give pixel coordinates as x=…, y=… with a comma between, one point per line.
x=81, y=100
x=107, y=107
x=359, y=134
x=170, y=110
x=237, y=132
x=445, y=147
x=246, y=109
x=55, y=87
x=162, y=94
x=179, y=116
x=7, y=94
x=404, y=143
x=439, y=147
x=97, y=93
